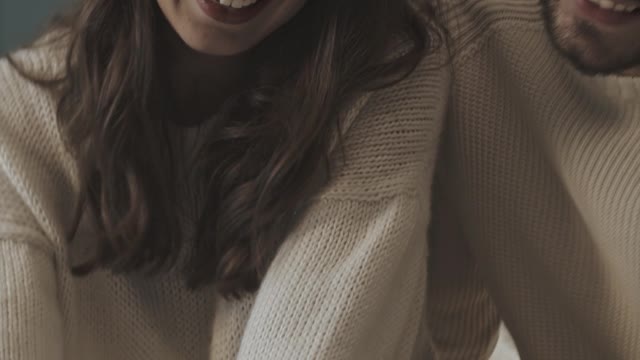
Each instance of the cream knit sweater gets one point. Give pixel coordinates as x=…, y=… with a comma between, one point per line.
x=350, y=281
x=540, y=181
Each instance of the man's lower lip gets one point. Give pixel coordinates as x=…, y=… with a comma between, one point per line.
x=607, y=17
x=228, y=15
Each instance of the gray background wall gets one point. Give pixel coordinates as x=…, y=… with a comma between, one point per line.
x=20, y=20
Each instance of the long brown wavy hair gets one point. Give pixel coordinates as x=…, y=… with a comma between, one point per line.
x=259, y=163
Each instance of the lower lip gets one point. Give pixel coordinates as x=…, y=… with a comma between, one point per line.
x=231, y=16
x=603, y=16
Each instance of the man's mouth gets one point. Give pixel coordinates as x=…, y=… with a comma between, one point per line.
x=609, y=12
x=616, y=6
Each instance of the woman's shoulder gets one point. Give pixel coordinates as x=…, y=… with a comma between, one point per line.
x=23, y=103
x=35, y=164
x=21, y=98
x=28, y=125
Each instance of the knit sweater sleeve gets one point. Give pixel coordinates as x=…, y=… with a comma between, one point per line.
x=30, y=318
x=35, y=198
x=349, y=285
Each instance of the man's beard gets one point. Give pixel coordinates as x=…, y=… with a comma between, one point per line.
x=573, y=42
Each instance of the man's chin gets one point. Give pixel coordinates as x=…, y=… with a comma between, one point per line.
x=582, y=64
x=583, y=46
x=586, y=63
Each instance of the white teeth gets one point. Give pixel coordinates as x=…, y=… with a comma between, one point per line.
x=237, y=4
x=615, y=6
x=606, y=4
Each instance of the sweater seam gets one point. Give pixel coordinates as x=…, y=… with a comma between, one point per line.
x=47, y=250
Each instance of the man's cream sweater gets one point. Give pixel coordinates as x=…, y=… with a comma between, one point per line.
x=539, y=180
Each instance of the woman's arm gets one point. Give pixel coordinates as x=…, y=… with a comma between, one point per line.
x=349, y=284
x=30, y=319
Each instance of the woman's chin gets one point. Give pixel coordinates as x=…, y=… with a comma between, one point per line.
x=214, y=44
x=218, y=49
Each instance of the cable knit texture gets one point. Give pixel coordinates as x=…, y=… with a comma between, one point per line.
x=350, y=282
x=540, y=172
